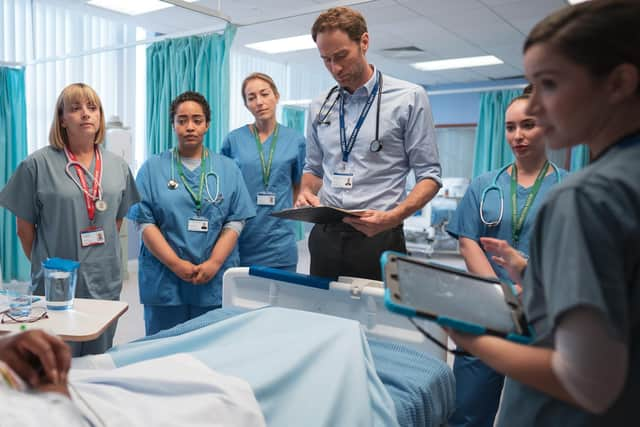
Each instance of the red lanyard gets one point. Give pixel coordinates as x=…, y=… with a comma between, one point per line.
x=89, y=198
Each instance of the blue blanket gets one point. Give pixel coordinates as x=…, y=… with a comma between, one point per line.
x=422, y=388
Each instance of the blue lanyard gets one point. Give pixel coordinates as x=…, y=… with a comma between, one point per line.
x=345, y=145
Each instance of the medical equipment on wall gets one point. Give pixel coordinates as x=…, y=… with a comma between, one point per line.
x=425, y=232
x=321, y=118
x=494, y=187
x=172, y=184
x=118, y=140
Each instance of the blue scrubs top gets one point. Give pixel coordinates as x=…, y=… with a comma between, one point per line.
x=466, y=220
x=267, y=240
x=170, y=211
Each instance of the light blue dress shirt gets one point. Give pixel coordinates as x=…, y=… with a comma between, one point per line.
x=267, y=240
x=379, y=178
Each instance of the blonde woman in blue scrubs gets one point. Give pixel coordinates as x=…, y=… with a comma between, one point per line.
x=271, y=157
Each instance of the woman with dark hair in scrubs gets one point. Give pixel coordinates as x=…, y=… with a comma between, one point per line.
x=271, y=157
x=581, y=287
x=194, y=205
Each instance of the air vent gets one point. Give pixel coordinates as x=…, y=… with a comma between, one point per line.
x=402, y=52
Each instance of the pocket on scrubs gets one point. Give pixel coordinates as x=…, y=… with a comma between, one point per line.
x=100, y=279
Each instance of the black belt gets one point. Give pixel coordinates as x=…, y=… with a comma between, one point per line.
x=340, y=227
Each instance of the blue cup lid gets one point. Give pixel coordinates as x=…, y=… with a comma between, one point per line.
x=60, y=264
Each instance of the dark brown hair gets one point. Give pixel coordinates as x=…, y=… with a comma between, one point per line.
x=598, y=34
x=340, y=18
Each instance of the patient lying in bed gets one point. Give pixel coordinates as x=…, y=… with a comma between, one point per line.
x=167, y=391
x=303, y=369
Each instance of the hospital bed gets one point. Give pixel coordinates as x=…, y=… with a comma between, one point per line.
x=412, y=370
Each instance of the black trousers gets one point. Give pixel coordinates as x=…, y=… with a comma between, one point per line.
x=341, y=250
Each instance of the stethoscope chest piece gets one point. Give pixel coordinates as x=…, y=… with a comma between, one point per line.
x=375, y=146
x=101, y=205
x=172, y=184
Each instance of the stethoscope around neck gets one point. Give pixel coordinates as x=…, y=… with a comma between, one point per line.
x=321, y=119
x=494, y=187
x=173, y=184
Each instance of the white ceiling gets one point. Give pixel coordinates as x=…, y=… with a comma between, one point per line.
x=441, y=28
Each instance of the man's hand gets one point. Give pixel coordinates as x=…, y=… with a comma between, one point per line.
x=37, y=357
x=372, y=222
x=306, y=198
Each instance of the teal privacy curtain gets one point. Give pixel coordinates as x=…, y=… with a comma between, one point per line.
x=293, y=117
x=579, y=157
x=491, y=149
x=13, y=149
x=197, y=63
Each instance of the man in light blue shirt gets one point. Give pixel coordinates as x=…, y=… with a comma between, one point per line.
x=363, y=138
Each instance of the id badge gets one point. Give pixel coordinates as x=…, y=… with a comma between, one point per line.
x=198, y=224
x=342, y=180
x=265, y=198
x=92, y=236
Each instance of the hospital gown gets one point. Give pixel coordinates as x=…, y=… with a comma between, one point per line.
x=41, y=193
x=267, y=240
x=584, y=252
x=170, y=211
x=176, y=390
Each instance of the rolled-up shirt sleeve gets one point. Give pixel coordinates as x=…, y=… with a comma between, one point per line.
x=420, y=140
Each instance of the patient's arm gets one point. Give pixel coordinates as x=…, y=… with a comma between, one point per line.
x=37, y=358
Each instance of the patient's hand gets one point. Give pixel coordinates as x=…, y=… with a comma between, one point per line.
x=37, y=357
x=54, y=388
x=506, y=257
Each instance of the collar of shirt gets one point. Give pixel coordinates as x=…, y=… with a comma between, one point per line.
x=364, y=90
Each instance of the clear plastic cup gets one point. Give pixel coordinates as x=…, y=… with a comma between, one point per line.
x=19, y=296
x=59, y=289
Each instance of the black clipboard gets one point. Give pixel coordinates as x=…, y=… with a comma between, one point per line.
x=316, y=214
x=453, y=298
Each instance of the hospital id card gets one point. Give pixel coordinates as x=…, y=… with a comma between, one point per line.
x=198, y=224
x=342, y=180
x=92, y=236
x=266, y=198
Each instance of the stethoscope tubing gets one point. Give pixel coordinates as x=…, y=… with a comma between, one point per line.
x=172, y=180
x=494, y=187
x=375, y=145
x=93, y=197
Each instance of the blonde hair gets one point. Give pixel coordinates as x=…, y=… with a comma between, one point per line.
x=259, y=76
x=75, y=92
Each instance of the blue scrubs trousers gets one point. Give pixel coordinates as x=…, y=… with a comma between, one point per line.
x=478, y=389
x=160, y=317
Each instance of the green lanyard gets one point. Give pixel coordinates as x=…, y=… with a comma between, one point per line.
x=197, y=199
x=266, y=167
x=517, y=221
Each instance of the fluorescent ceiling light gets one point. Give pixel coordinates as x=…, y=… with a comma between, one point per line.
x=447, y=64
x=288, y=44
x=576, y=1
x=130, y=7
